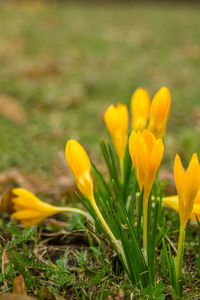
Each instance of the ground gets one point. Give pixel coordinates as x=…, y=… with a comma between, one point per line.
x=61, y=66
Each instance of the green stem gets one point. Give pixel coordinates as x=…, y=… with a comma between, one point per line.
x=109, y=232
x=74, y=210
x=179, y=254
x=122, y=169
x=145, y=223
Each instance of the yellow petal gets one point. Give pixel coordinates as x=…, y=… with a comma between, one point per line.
x=27, y=214
x=141, y=159
x=146, y=154
x=155, y=158
x=195, y=212
x=30, y=217
x=179, y=175
x=77, y=158
x=111, y=119
x=27, y=200
x=149, y=139
x=80, y=165
x=31, y=222
x=140, y=105
x=132, y=149
x=197, y=199
x=192, y=182
x=172, y=202
x=187, y=185
x=116, y=119
x=159, y=112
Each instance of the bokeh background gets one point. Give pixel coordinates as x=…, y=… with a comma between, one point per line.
x=62, y=64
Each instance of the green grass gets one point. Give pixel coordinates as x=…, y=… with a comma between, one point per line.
x=66, y=64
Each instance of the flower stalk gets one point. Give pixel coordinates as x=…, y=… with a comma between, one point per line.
x=145, y=225
x=80, y=165
x=107, y=229
x=179, y=255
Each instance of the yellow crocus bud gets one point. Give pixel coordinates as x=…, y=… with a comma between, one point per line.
x=80, y=166
x=159, y=112
x=116, y=119
x=187, y=185
x=173, y=202
x=140, y=106
x=30, y=210
x=146, y=153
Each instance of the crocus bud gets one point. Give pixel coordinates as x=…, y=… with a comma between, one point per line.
x=116, y=119
x=140, y=106
x=159, y=112
x=146, y=153
x=187, y=185
x=80, y=165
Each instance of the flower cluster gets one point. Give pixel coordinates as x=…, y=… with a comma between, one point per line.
x=123, y=206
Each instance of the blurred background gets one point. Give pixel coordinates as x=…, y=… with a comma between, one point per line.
x=62, y=63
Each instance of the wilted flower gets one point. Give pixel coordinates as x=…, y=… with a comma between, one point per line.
x=30, y=210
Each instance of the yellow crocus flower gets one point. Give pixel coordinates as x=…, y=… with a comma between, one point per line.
x=173, y=202
x=146, y=153
x=30, y=210
x=187, y=185
x=116, y=119
x=159, y=112
x=140, y=106
x=80, y=165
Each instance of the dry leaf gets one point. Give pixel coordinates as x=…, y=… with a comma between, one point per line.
x=36, y=184
x=46, y=293
x=42, y=68
x=11, y=108
x=58, y=297
x=196, y=117
x=6, y=204
x=10, y=177
x=5, y=260
x=19, y=285
x=122, y=294
x=81, y=274
x=16, y=297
